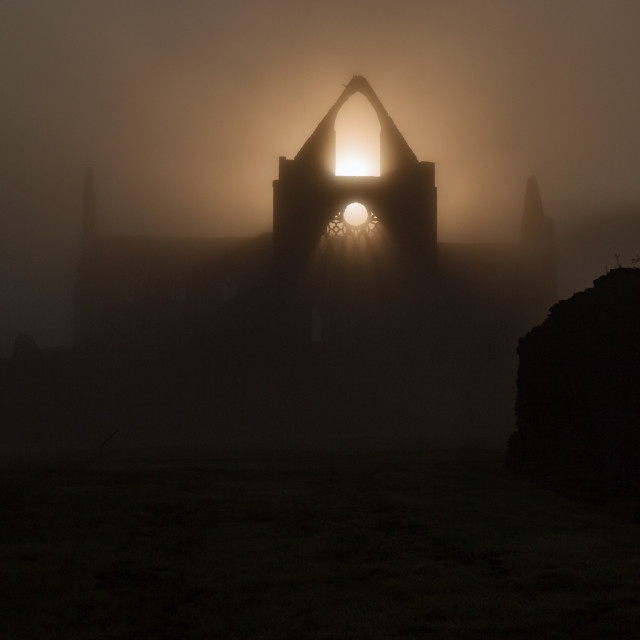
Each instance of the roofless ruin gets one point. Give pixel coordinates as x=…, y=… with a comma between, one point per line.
x=362, y=287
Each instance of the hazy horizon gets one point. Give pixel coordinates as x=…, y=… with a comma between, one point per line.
x=184, y=108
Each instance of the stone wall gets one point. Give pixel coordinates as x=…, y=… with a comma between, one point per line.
x=578, y=401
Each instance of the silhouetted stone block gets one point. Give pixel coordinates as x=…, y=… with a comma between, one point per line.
x=578, y=403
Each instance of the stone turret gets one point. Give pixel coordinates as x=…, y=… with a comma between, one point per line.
x=88, y=205
x=84, y=281
x=538, y=279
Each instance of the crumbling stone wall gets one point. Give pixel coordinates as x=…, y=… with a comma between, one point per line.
x=578, y=402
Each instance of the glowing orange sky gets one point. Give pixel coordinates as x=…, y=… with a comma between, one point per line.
x=184, y=108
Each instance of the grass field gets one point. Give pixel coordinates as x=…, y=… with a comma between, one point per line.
x=441, y=544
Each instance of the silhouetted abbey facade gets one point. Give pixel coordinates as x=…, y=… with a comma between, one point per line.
x=382, y=281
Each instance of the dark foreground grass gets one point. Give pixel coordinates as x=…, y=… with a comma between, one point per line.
x=429, y=545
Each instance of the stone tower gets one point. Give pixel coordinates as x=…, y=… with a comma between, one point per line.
x=538, y=279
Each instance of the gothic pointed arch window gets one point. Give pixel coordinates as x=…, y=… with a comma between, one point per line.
x=357, y=138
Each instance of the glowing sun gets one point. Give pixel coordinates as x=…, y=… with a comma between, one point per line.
x=355, y=214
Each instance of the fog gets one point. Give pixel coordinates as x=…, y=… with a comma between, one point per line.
x=184, y=108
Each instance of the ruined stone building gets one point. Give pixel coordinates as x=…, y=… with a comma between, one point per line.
x=385, y=277
x=328, y=279
x=321, y=276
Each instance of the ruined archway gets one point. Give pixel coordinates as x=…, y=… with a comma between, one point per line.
x=397, y=236
x=357, y=130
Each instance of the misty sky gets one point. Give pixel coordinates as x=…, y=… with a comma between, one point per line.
x=184, y=107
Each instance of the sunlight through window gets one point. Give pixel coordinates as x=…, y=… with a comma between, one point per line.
x=357, y=139
x=355, y=214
